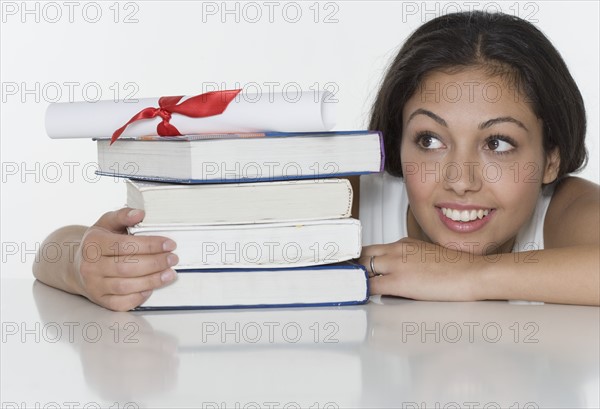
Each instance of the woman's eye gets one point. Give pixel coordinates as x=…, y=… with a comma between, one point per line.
x=429, y=142
x=498, y=145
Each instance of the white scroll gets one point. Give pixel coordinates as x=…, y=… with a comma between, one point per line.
x=248, y=112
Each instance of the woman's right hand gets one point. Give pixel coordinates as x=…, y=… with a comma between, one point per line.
x=119, y=271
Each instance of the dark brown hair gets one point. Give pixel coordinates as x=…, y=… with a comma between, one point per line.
x=503, y=45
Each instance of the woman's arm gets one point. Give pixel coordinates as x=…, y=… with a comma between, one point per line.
x=109, y=267
x=60, y=273
x=566, y=275
x=567, y=271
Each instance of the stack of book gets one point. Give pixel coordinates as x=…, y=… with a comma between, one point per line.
x=260, y=219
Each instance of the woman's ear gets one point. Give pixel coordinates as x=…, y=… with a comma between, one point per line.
x=552, y=166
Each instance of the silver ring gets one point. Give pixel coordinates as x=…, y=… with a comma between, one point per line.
x=372, y=265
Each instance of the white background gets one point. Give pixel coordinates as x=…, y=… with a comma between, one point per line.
x=153, y=48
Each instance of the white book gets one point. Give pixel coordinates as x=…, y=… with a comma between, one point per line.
x=338, y=284
x=282, y=244
x=240, y=203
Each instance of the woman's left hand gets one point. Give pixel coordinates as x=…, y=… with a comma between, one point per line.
x=422, y=271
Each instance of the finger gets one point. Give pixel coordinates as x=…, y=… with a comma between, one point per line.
x=374, y=250
x=380, y=285
x=136, y=265
x=117, y=221
x=124, y=302
x=376, y=265
x=104, y=243
x=126, y=286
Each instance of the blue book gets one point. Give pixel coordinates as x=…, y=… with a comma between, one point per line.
x=252, y=157
x=324, y=285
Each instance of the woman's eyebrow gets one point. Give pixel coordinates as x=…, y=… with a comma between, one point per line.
x=483, y=125
x=430, y=114
x=501, y=119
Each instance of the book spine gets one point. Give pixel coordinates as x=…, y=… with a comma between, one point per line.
x=276, y=178
x=221, y=307
x=382, y=150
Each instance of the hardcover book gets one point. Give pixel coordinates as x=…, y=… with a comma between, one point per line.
x=242, y=157
x=337, y=284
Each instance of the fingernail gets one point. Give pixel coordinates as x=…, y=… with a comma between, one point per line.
x=172, y=259
x=146, y=293
x=134, y=213
x=169, y=245
x=168, y=275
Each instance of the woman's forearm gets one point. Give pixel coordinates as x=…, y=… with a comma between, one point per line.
x=568, y=275
x=60, y=272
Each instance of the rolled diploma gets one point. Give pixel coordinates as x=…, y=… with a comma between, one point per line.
x=246, y=113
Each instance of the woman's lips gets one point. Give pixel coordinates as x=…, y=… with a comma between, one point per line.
x=464, y=219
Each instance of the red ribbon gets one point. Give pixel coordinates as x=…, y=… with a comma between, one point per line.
x=203, y=105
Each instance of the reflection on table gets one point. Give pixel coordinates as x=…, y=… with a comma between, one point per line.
x=389, y=353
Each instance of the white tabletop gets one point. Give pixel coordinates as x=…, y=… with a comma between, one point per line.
x=59, y=350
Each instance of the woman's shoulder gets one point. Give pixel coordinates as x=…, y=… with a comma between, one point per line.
x=573, y=216
x=574, y=191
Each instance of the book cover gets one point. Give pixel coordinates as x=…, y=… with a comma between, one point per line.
x=235, y=158
x=323, y=285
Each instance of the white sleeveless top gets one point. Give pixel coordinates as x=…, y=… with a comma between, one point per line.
x=384, y=207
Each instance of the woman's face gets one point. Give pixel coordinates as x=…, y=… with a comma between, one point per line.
x=472, y=160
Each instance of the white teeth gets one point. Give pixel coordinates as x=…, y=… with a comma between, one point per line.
x=464, y=215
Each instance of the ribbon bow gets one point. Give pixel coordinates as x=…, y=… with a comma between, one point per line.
x=199, y=106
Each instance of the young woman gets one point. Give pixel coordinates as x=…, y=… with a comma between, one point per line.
x=482, y=124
